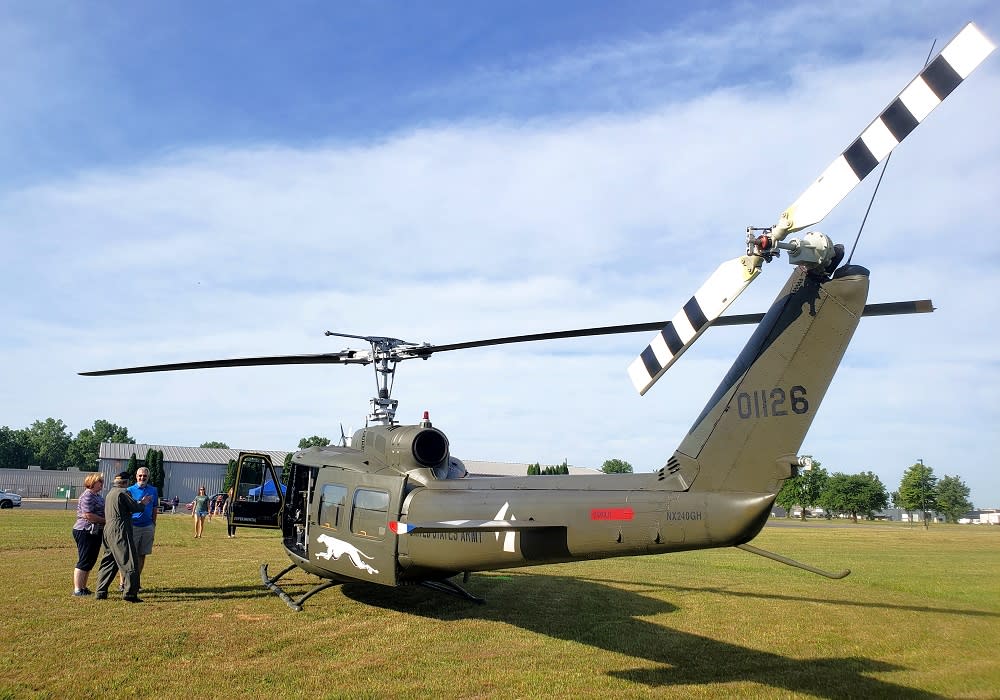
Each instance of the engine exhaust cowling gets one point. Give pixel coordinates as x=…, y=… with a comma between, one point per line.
x=406, y=447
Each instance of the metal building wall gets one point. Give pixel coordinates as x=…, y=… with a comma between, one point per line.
x=43, y=483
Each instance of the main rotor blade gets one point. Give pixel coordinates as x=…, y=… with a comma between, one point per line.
x=361, y=357
x=920, y=306
x=333, y=358
x=935, y=82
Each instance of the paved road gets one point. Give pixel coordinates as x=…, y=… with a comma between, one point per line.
x=48, y=504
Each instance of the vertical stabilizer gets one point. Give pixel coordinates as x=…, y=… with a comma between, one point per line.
x=755, y=422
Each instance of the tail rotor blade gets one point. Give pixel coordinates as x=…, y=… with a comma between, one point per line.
x=918, y=99
x=707, y=304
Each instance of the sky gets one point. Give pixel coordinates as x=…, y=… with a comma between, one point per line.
x=191, y=181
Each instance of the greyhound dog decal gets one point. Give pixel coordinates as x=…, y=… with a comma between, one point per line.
x=335, y=549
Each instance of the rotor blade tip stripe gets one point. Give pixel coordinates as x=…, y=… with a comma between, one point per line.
x=671, y=338
x=696, y=317
x=940, y=77
x=899, y=120
x=650, y=362
x=860, y=158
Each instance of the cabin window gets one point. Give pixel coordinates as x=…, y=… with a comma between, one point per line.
x=370, y=514
x=332, y=502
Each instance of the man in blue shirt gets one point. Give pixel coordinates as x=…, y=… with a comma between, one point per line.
x=144, y=522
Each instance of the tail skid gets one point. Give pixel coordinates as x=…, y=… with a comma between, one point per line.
x=791, y=562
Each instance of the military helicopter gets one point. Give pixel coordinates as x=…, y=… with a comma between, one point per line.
x=396, y=508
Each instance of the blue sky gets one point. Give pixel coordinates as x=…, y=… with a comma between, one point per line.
x=192, y=181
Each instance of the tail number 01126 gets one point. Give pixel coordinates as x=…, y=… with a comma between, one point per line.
x=767, y=403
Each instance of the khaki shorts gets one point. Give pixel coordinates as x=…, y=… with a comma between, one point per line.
x=144, y=540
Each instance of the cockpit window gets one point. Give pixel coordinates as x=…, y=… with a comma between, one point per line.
x=333, y=500
x=370, y=516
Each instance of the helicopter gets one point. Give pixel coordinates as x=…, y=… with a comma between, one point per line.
x=392, y=506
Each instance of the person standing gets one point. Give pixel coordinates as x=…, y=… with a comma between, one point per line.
x=144, y=523
x=87, y=531
x=230, y=525
x=200, y=509
x=119, y=541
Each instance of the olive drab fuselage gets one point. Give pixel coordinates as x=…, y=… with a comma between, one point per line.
x=343, y=505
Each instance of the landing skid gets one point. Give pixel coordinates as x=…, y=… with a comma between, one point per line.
x=296, y=605
x=451, y=588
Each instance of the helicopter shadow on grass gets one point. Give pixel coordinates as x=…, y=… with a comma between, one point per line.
x=802, y=599
x=608, y=618
x=190, y=593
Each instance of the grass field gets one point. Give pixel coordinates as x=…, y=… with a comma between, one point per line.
x=919, y=617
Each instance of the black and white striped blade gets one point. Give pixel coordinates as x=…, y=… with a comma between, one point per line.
x=918, y=99
x=707, y=304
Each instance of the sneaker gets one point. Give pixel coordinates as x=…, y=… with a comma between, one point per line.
x=80, y=591
x=87, y=591
x=100, y=596
x=132, y=599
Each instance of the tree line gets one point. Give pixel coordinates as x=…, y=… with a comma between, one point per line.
x=49, y=444
x=864, y=494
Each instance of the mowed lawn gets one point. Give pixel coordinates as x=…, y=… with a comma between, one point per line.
x=919, y=617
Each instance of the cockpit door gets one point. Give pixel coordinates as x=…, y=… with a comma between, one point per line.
x=349, y=530
x=258, y=494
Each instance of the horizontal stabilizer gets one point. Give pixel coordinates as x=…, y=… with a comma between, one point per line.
x=707, y=304
x=918, y=99
x=401, y=528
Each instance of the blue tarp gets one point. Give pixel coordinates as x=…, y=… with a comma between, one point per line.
x=267, y=491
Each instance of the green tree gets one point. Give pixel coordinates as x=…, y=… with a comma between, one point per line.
x=314, y=441
x=133, y=464
x=286, y=469
x=215, y=444
x=918, y=490
x=15, y=448
x=534, y=469
x=861, y=493
x=804, y=489
x=154, y=461
x=50, y=441
x=952, y=498
x=788, y=496
x=231, y=475
x=616, y=466
x=86, y=447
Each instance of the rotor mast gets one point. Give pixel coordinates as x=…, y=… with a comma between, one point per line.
x=385, y=354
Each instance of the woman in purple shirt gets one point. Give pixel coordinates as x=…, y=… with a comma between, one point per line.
x=87, y=531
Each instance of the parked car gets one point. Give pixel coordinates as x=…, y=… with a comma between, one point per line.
x=9, y=499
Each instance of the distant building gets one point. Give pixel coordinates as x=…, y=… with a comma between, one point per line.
x=184, y=468
x=35, y=482
x=986, y=516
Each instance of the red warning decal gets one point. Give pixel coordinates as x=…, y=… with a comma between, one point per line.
x=612, y=514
